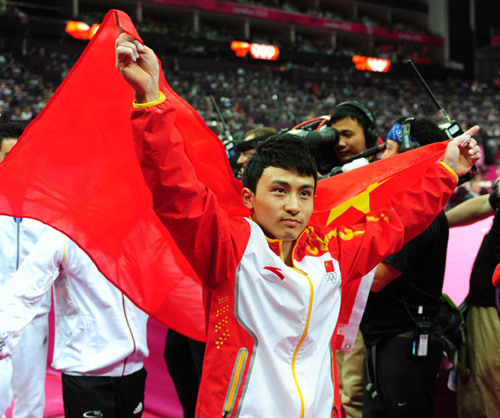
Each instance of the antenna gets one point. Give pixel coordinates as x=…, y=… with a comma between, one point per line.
x=450, y=127
x=228, y=141
x=431, y=94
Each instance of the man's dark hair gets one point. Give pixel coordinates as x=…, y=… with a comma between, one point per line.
x=260, y=133
x=361, y=114
x=281, y=150
x=424, y=130
x=10, y=130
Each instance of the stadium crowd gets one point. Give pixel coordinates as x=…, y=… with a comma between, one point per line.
x=265, y=95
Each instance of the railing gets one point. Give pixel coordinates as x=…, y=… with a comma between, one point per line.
x=250, y=11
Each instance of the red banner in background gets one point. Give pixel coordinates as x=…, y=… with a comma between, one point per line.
x=257, y=12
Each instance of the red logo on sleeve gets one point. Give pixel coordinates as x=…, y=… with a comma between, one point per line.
x=276, y=271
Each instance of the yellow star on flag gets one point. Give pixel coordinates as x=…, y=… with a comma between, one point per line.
x=360, y=202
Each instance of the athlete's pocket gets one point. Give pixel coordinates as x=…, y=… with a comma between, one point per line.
x=235, y=382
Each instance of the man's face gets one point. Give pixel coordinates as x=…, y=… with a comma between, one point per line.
x=244, y=157
x=282, y=203
x=391, y=148
x=7, y=144
x=352, y=139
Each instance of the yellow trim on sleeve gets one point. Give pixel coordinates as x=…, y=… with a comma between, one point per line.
x=159, y=100
x=449, y=169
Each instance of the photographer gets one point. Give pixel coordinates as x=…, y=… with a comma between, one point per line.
x=403, y=355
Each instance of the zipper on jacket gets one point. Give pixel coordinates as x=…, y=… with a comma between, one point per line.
x=131, y=334
x=234, y=383
x=18, y=233
x=304, y=334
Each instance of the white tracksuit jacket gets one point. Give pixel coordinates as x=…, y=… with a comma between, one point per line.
x=99, y=332
x=18, y=236
x=19, y=381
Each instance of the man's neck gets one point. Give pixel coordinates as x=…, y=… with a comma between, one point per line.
x=287, y=251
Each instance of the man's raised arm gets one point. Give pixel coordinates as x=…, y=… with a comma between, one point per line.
x=139, y=67
x=186, y=206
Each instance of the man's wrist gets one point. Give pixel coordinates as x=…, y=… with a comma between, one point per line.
x=146, y=97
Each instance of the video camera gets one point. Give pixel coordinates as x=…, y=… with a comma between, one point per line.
x=321, y=139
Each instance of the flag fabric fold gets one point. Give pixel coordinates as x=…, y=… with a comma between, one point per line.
x=75, y=169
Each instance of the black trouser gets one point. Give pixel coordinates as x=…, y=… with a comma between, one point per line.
x=107, y=397
x=404, y=383
x=184, y=358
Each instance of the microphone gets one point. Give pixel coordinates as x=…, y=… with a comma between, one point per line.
x=368, y=153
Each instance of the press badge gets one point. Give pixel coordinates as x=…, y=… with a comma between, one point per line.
x=423, y=345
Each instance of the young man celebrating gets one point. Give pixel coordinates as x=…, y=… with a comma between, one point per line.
x=271, y=309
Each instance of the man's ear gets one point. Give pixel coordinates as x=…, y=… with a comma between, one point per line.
x=247, y=196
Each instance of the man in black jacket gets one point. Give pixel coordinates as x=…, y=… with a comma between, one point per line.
x=403, y=356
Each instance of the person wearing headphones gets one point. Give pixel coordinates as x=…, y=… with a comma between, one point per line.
x=356, y=128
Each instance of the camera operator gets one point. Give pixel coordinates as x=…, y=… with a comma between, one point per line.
x=403, y=354
x=355, y=124
x=356, y=142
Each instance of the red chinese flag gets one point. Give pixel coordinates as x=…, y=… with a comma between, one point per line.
x=75, y=169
